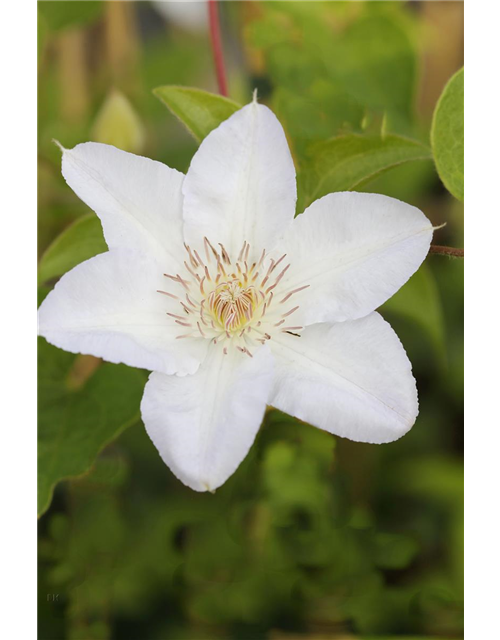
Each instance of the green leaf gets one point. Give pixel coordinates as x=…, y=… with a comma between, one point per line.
x=117, y=123
x=376, y=62
x=61, y=15
x=200, y=111
x=419, y=300
x=314, y=118
x=346, y=162
x=42, y=292
x=80, y=241
x=447, y=135
x=83, y=405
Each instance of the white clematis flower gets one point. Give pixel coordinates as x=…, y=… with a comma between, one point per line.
x=212, y=284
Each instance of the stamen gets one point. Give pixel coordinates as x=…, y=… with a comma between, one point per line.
x=266, y=278
x=195, y=275
x=206, y=244
x=277, y=263
x=220, y=266
x=241, y=252
x=191, y=257
x=185, y=283
x=200, y=330
x=202, y=317
x=245, y=350
x=289, y=313
x=225, y=257
x=198, y=258
x=174, y=278
x=166, y=293
x=289, y=295
x=278, y=278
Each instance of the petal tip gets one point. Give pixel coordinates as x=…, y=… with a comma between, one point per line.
x=58, y=144
x=208, y=487
x=439, y=226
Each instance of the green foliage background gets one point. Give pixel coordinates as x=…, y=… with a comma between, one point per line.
x=314, y=536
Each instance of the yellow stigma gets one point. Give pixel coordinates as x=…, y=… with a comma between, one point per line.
x=232, y=304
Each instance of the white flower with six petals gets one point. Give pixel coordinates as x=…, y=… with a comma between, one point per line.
x=211, y=283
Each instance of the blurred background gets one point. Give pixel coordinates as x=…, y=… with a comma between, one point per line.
x=314, y=536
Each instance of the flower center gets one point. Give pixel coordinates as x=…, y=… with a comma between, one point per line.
x=232, y=304
x=231, y=301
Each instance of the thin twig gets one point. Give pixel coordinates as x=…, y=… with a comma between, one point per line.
x=215, y=38
x=452, y=252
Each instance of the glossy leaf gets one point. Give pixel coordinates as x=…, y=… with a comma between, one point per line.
x=200, y=111
x=82, y=406
x=346, y=162
x=447, y=135
x=80, y=241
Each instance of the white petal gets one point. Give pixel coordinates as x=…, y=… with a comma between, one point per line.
x=354, y=250
x=109, y=307
x=138, y=200
x=203, y=425
x=352, y=379
x=241, y=183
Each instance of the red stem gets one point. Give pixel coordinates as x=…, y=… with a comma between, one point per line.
x=215, y=38
x=446, y=251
